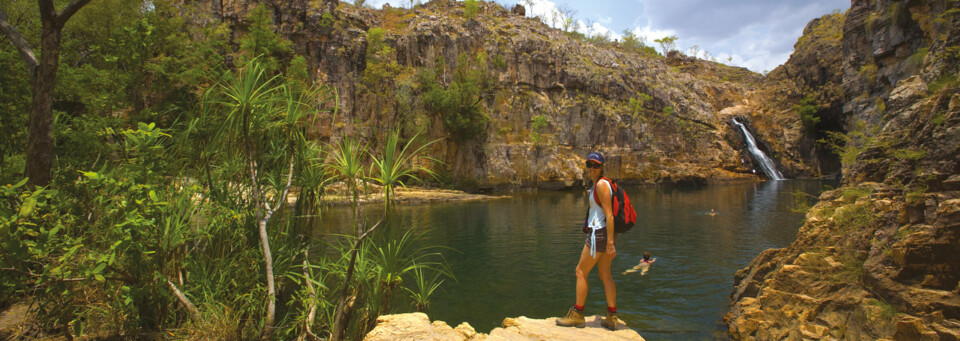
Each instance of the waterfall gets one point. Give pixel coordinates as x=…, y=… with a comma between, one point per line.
x=766, y=164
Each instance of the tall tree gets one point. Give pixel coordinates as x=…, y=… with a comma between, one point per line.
x=43, y=77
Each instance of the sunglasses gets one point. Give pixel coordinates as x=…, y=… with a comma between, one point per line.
x=593, y=165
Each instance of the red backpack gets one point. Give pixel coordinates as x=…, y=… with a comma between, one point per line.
x=624, y=216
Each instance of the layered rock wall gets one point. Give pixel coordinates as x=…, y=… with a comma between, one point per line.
x=583, y=92
x=877, y=258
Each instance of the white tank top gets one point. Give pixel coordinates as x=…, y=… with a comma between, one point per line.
x=596, y=219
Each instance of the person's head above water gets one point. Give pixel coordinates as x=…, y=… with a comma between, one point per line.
x=646, y=256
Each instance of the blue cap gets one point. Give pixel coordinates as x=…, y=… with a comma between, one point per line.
x=596, y=156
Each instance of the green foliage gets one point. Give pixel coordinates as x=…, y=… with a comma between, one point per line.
x=138, y=210
x=855, y=216
x=636, y=104
x=263, y=40
x=868, y=72
x=471, y=8
x=538, y=123
x=394, y=166
x=388, y=261
x=852, y=194
x=459, y=104
x=599, y=39
x=802, y=201
x=348, y=160
x=918, y=57
x=916, y=194
x=327, y=20
x=852, y=270
x=382, y=68
x=633, y=42
x=909, y=154
x=827, y=31
x=946, y=82
x=668, y=110
x=425, y=286
x=807, y=109
x=667, y=44
x=884, y=313
x=15, y=98
x=848, y=146
x=939, y=119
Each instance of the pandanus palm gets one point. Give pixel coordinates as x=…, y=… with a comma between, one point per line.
x=260, y=125
x=396, y=165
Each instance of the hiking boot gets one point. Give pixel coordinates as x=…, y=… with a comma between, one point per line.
x=610, y=322
x=574, y=318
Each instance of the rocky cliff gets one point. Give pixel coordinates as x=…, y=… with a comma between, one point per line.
x=801, y=101
x=877, y=258
x=546, y=97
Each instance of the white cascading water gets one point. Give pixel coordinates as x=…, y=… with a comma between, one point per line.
x=766, y=164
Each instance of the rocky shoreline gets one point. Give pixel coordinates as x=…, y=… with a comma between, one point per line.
x=408, y=196
x=877, y=258
x=417, y=326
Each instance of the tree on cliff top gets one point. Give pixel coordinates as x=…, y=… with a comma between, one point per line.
x=667, y=44
x=43, y=77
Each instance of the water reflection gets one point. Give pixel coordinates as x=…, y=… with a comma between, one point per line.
x=516, y=256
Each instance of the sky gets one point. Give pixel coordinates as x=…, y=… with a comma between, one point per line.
x=756, y=34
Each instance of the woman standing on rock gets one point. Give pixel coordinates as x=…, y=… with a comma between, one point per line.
x=599, y=248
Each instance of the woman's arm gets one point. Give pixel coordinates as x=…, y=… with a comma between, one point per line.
x=604, y=190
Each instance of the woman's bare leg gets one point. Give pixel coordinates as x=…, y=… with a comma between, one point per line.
x=583, y=269
x=609, y=288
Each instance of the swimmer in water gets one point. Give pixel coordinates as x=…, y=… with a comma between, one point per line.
x=644, y=265
x=713, y=212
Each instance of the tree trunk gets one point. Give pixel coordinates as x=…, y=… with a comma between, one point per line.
x=43, y=76
x=340, y=319
x=271, y=290
x=39, y=137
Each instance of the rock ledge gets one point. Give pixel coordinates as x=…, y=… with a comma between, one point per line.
x=417, y=326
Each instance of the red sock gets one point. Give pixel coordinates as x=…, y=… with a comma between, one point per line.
x=578, y=307
x=612, y=309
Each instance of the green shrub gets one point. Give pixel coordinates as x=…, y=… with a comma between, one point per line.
x=880, y=106
x=537, y=125
x=668, y=110
x=851, y=194
x=851, y=271
x=471, y=8
x=945, y=81
x=459, y=104
x=263, y=40
x=868, y=72
x=802, y=201
x=807, y=109
x=918, y=57
x=854, y=217
x=916, y=194
x=909, y=154
x=636, y=105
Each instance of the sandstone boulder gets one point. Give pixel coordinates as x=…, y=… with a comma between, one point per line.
x=417, y=326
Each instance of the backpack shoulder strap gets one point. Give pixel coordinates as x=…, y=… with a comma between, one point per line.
x=596, y=196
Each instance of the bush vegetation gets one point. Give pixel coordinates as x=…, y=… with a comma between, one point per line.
x=459, y=104
x=167, y=214
x=807, y=110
